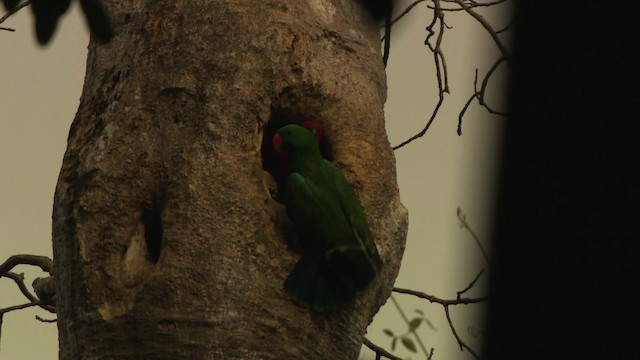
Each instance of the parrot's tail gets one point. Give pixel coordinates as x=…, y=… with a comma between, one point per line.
x=353, y=266
x=309, y=284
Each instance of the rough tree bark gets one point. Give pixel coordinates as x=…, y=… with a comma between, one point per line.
x=167, y=242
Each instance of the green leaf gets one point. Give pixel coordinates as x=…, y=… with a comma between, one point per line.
x=393, y=344
x=388, y=332
x=414, y=323
x=408, y=343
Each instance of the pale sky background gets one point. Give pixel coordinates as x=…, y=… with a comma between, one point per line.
x=39, y=95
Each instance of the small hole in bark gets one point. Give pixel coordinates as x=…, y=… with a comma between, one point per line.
x=152, y=219
x=276, y=162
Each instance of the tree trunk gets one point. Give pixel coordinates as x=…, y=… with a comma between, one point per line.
x=167, y=241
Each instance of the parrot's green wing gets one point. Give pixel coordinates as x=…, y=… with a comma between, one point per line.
x=341, y=256
x=354, y=213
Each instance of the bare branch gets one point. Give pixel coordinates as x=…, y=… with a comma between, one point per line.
x=473, y=4
x=479, y=94
x=406, y=11
x=43, y=286
x=424, y=130
x=17, y=307
x=469, y=9
x=446, y=304
x=440, y=62
x=463, y=223
x=19, y=280
x=437, y=300
x=441, y=68
x=14, y=308
x=379, y=350
x=461, y=342
x=43, y=262
x=507, y=27
x=475, y=95
x=486, y=81
x=471, y=284
x=45, y=320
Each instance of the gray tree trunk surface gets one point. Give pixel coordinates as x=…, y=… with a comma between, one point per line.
x=167, y=242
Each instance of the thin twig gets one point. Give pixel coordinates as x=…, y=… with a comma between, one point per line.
x=469, y=9
x=441, y=68
x=45, y=320
x=445, y=304
x=491, y=71
x=19, y=280
x=410, y=7
x=17, y=307
x=43, y=262
x=479, y=94
x=440, y=62
x=471, y=284
x=379, y=350
x=507, y=27
x=406, y=11
x=430, y=354
x=475, y=94
x=426, y=128
x=463, y=223
x=461, y=342
x=437, y=300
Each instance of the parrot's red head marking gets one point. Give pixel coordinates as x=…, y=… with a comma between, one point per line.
x=315, y=128
x=277, y=141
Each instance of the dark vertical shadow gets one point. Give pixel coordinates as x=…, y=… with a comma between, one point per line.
x=565, y=272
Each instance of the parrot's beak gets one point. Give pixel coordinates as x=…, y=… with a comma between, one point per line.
x=277, y=141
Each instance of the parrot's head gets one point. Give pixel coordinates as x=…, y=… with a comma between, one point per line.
x=296, y=139
x=291, y=145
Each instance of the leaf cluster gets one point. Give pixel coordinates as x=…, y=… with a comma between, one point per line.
x=414, y=324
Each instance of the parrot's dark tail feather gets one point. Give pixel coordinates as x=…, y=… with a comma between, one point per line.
x=354, y=267
x=309, y=285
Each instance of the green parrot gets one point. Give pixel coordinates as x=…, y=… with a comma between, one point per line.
x=339, y=255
